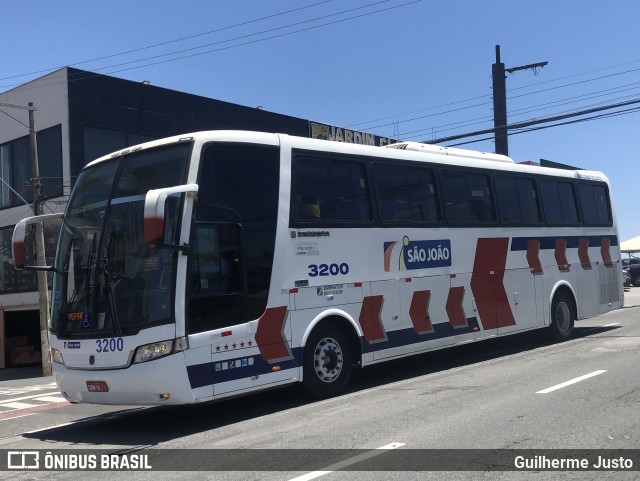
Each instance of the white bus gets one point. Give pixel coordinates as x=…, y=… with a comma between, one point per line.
x=220, y=263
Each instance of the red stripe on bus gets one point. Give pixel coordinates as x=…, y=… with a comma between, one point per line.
x=419, y=312
x=533, y=251
x=270, y=336
x=487, y=283
x=369, y=319
x=583, y=253
x=605, y=245
x=455, y=311
x=561, y=255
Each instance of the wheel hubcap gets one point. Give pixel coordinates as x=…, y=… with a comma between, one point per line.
x=328, y=360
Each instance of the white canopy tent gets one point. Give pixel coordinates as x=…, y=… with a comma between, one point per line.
x=631, y=245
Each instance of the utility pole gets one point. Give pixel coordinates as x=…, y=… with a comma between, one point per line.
x=500, y=99
x=43, y=288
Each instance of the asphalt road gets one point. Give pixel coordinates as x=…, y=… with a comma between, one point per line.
x=515, y=393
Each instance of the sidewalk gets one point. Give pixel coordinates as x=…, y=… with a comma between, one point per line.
x=23, y=376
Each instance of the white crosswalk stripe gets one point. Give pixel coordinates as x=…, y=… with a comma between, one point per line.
x=50, y=399
x=12, y=391
x=25, y=397
x=13, y=406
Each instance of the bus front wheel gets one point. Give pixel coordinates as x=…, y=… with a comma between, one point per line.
x=327, y=362
x=562, y=317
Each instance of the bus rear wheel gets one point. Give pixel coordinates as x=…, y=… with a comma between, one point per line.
x=562, y=317
x=327, y=362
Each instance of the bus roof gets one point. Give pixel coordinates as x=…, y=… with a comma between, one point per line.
x=414, y=151
x=436, y=149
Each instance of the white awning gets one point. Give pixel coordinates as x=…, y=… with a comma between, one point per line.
x=632, y=245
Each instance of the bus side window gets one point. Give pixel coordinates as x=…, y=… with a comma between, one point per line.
x=467, y=197
x=331, y=190
x=594, y=204
x=405, y=194
x=558, y=201
x=517, y=199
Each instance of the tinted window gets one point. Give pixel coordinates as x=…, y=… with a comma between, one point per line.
x=467, y=197
x=594, y=202
x=15, y=167
x=568, y=203
x=234, y=236
x=330, y=190
x=100, y=141
x=517, y=200
x=558, y=202
x=405, y=193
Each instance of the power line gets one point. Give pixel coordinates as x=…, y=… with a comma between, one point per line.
x=520, y=125
x=537, y=84
x=160, y=44
x=83, y=76
x=586, y=96
x=524, y=110
x=489, y=102
x=12, y=117
x=588, y=119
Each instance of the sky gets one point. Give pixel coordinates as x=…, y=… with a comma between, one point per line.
x=410, y=69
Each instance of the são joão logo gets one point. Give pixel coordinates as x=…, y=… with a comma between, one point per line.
x=422, y=254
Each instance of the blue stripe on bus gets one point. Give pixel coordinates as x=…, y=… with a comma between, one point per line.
x=404, y=337
x=520, y=243
x=201, y=375
x=209, y=373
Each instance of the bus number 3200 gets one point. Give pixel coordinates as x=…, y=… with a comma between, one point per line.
x=109, y=345
x=316, y=270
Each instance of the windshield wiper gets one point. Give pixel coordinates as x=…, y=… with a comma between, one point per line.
x=108, y=276
x=86, y=279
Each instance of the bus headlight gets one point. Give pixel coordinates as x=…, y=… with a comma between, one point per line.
x=156, y=350
x=56, y=356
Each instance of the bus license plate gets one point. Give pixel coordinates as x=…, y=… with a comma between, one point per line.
x=97, y=386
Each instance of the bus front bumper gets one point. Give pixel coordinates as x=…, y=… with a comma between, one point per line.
x=157, y=382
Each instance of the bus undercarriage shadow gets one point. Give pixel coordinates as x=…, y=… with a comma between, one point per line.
x=134, y=427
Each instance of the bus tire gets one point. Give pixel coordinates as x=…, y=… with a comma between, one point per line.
x=327, y=361
x=562, y=317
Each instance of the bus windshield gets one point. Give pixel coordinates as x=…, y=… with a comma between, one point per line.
x=109, y=281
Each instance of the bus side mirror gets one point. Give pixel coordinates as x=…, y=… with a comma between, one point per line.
x=24, y=241
x=154, y=209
